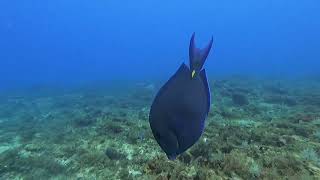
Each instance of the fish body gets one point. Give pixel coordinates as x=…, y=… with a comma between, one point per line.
x=178, y=112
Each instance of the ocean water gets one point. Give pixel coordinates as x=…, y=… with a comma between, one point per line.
x=77, y=79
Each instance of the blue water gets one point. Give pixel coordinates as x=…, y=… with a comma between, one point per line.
x=79, y=41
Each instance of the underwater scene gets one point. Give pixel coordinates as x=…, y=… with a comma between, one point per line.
x=159, y=90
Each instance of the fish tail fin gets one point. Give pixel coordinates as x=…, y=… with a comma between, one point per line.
x=197, y=56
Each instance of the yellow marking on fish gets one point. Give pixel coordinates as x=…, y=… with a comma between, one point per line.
x=193, y=73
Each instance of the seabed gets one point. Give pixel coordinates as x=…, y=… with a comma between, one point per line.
x=256, y=129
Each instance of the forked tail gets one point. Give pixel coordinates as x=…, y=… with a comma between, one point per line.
x=197, y=56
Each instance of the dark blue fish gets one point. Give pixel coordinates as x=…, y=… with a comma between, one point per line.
x=179, y=110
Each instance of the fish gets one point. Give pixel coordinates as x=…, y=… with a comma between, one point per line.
x=179, y=110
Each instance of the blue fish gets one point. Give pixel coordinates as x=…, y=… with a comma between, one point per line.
x=178, y=112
